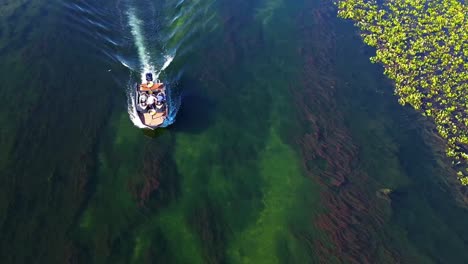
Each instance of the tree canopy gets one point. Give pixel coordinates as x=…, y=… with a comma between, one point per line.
x=423, y=46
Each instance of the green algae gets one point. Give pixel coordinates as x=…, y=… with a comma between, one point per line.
x=240, y=193
x=112, y=206
x=283, y=181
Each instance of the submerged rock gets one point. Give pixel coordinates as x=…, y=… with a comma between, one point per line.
x=384, y=193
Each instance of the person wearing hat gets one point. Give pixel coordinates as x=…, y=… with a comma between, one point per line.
x=151, y=101
x=160, y=97
x=149, y=80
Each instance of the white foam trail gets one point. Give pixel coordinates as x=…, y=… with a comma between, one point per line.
x=169, y=59
x=134, y=115
x=132, y=112
x=147, y=66
x=135, y=25
x=124, y=63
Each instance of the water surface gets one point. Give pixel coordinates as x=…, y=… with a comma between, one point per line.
x=283, y=142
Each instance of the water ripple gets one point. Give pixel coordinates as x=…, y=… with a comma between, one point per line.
x=141, y=36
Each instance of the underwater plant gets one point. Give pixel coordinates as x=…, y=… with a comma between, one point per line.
x=423, y=47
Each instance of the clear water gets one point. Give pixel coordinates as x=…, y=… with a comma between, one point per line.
x=281, y=140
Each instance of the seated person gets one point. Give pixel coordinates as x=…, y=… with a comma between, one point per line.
x=160, y=107
x=151, y=101
x=160, y=97
x=143, y=100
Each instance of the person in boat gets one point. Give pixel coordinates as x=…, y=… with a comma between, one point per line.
x=152, y=101
x=160, y=107
x=160, y=97
x=149, y=80
x=143, y=100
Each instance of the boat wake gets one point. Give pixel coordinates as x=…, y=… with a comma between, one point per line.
x=146, y=65
x=161, y=32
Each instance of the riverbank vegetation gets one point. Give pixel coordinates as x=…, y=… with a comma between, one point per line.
x=423, y=46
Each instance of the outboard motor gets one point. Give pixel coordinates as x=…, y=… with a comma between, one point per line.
x=149, y=77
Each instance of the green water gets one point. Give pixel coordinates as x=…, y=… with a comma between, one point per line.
x=237, y=178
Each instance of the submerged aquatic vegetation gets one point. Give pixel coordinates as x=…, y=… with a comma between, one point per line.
x=423, y=46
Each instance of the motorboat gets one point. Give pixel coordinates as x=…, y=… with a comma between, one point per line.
x=150, y=102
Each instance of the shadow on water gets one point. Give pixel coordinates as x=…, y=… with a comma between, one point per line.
x=197, y=111
x=155, y=133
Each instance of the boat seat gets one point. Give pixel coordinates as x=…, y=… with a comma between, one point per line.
x=155, y=87
x=153, y=120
